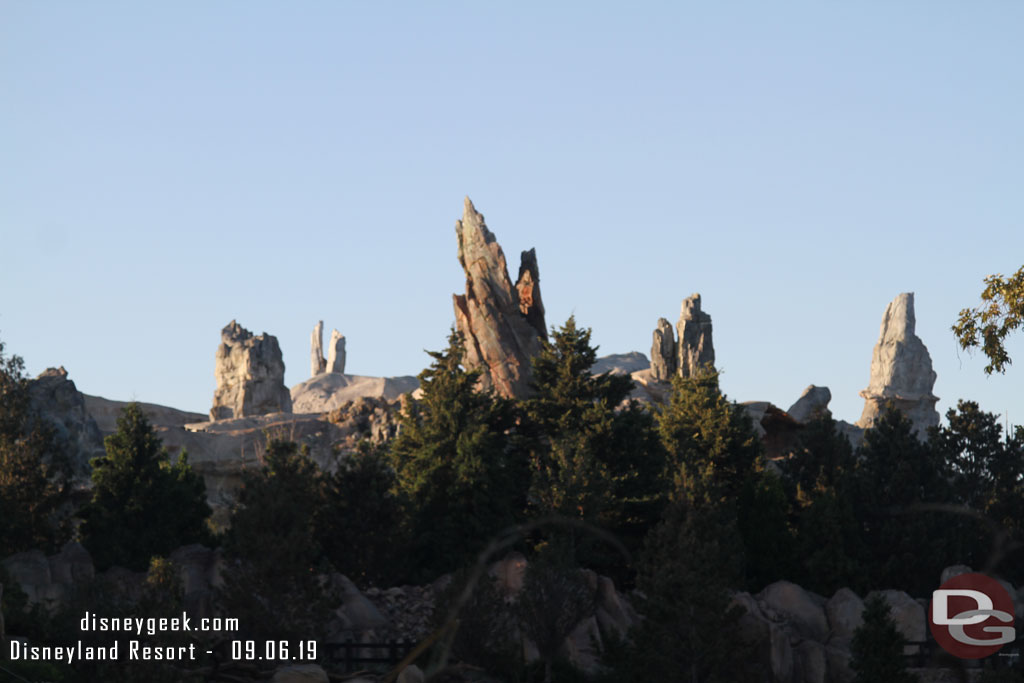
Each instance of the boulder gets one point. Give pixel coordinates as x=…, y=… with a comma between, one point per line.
x=908, y=615
x=509, y=573
x=62, y=407
x=250, y=375
x=336, y=352
x=802, y=609
x=956, y=570
x=72, y=565
x=31, y=571
x=501, y=325
x=411, y=674
x=317, y=364
x=811, y=661
x=838, y=661
x=357, y=612
x=300, y=673
x=813, y=402
x=663, y=352
x=695, y=347
x=332, y=390
x=845, y=615
x=901, y=371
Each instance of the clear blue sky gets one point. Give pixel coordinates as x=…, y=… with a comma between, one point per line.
x=170, y=166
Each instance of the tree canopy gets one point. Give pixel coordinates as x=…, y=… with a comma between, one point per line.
x=988, y=325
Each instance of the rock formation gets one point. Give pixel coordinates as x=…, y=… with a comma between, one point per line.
x=901, y=370
x=317, y=364
x=813, y=402
x=501, y=324
x=336, y=352
x=61, y=406
x=695, y=346
x=663, y=352
x=691, y=351
x=250, y=375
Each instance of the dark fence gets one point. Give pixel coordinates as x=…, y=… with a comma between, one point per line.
x=353, y=654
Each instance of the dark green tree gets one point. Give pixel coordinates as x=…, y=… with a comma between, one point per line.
x=877, y=648
x=459, y=469
x=34, y=474
x=763, y=521
x=896, y=487
x=275, y=560
x=135, y=489
x=988, y=325
x=711, y=445
x=595, y=455
x=362, y=511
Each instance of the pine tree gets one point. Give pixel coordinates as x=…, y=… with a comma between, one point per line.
x=595, y=454
x=135, y=488
x=457, y=464
x=877, y=648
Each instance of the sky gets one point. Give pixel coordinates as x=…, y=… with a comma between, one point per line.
x=169, y=167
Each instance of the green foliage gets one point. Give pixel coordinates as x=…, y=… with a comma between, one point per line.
x=988, y=325
x=273, y=583
x=458, y=466
x=763, y=523
x=359, y=527
x=688, y=633
x=711, y=444
x=34, y=475
x=877, y=648
x=128, y=521
x=897, y=481
x=987, y=475
x=591, y=460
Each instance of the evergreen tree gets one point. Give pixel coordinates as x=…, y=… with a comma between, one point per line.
x=711, y=445
x=34, y=474
x=898, y=478
x=273, y=586
x=458, y=467
x=596, y=456
x=769, y=543
x=142, y=505
x=877, y=648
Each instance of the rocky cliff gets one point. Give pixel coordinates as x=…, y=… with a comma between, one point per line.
x=901, y=370
x=501, y=324
x=250, y=375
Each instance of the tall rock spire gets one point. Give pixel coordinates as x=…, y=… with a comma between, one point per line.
x=901, y=370
x=501, y=324
x=696, y=348
x=317, y=364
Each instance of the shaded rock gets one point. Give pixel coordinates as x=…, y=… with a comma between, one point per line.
x=357, y=612
x=956, y=570
x=845, y=615
x=300, y=673
x=838, y=662
x=620, y=363
x=801, y=608
x=499, y=337
x=106, y=412
x=901, y=370
x=31, y=571
x=336, y=352
x=778, y=431
x=71, y=565
x=583, y=646
x=59, y=404
x=250, y=375
x=664, y=357
x=317, y=364
x=813, y=402
x=908, y=615
x=811, y=661
x=411, y=674
x=695, y=346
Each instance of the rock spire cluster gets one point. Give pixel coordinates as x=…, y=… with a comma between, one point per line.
x=501, y=324
x=690, y=351
x=250, y=375
x=335, y=351
x=901, y=370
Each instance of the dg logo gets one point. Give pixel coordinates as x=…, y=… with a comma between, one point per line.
x=971, y=616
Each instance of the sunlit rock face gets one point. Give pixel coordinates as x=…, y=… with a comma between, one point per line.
x=696, y=348
x=901, y=370
x=250, y=375
x=501, y=324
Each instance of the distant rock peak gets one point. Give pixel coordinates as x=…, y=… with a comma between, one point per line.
x=250, y=375
x=686, y=354
x=501, y=324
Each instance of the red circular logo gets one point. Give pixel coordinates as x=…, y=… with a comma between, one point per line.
x=971, y=616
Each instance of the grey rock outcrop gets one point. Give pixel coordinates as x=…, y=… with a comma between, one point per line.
x=501, y=324
x=901, y=370
x=250, y=375
x=317, y=364
x=664, y=360
x=336, y=352
x=695, y=346
x=59, y=404
x=813, y=402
